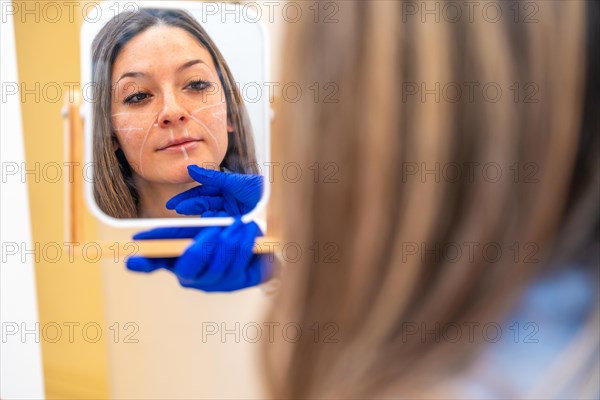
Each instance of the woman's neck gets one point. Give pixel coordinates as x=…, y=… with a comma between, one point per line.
x=154, y=196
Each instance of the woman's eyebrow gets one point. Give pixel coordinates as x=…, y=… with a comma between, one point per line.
x=189, y=64
x=131, y=74
x=179, y=69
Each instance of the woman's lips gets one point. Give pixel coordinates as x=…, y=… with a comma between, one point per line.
x=187, y=145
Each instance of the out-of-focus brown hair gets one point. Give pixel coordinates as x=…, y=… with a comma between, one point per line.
x=376, y=211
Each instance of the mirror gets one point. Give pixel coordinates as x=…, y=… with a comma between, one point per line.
x=165, y=86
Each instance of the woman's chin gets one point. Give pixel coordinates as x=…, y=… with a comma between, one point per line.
x=181, y=178
x=178, y=173
x=173, y=175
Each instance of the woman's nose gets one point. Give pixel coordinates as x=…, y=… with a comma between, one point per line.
x=172, y=112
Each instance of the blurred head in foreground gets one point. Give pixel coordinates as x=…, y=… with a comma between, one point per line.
x=465, y=156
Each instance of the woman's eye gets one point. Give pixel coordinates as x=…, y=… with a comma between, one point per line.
x=199, y=85
x=136, y=98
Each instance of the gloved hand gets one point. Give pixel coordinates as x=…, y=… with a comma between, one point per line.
x=229, y=192
x=220, y=258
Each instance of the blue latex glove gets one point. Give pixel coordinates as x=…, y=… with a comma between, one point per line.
x=228, y=192
x=220, y=258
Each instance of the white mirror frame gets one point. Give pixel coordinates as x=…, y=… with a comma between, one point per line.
x=219, y=20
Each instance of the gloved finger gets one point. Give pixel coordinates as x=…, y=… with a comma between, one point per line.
x=208, y=177
x=245, y=189
x=213, y=252
x=248, y=189
x=251, y=231
x=197, y=191
x=143, y=264
x=195, y=260
x=237, y=276
x=199, y=205
x=184, y=232
x=229, y=256
x=259, y=270
x=249, y=270
x=251, y=185
x=237, y=254
x=231, y=205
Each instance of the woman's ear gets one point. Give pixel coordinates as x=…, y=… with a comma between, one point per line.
x=115, y=143
x=229, y=126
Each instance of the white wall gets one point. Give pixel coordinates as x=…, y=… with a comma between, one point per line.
x=20, y=356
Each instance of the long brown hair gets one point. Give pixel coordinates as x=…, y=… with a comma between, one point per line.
x=530, y=177
x=114, y=189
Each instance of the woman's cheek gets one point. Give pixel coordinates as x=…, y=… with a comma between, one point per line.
x=217, y=123
x=132, y=131
x=131, y=154
x=220, y=127
x=211, y=124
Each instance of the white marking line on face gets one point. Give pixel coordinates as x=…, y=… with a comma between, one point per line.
x=128, y=129
x=135, y=113
x=205, y=107
x=142, y=146
x=202, y=124
x=207, y=131
x=185, y=154
x=138, y=129
x=187, y=133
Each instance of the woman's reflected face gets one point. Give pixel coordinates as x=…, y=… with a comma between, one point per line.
x=168, y=105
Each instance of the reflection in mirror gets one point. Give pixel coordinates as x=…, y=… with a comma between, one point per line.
x=164, y=99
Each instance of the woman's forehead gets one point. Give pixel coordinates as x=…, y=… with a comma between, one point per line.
x=161, y=48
